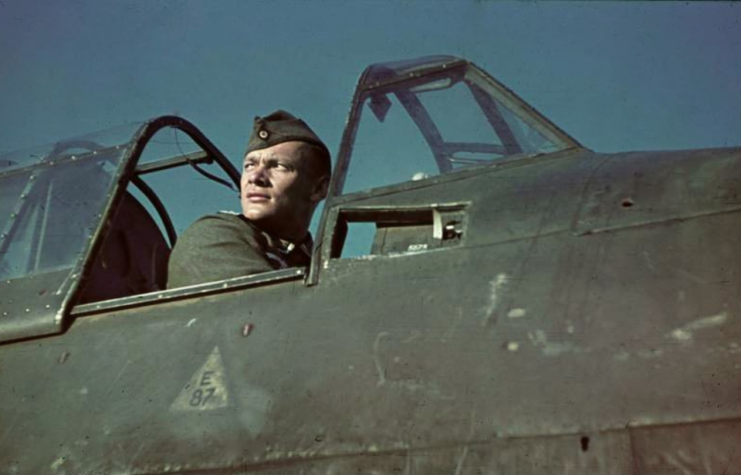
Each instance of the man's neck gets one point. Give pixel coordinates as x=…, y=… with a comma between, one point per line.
x=295, y=237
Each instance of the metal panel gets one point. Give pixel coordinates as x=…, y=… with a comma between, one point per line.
x=33, y=308
x=644, y=188
x=516, y=344
x=55, y=228
x=703, y=449
x=607, y=453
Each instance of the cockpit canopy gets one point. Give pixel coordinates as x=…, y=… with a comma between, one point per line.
x=419, y=118
x=62, y=206
x=51, y=199
x=67, y=216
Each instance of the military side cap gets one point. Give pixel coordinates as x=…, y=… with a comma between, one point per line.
x=279, y=127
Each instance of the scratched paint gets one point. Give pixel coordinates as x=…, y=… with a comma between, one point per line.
x=377, y=359
x=57, y=463
x=517, y=313
x=495, y=286
x=550, y=348
x=430, y=388
x=686, y=332
x=513, y=346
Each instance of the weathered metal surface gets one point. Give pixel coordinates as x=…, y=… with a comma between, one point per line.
x=706, y=449
x=556, y=334
x=584, y=319
x=48, y=238
x=645, y=188
x=201, y=290
x=33, y=308
x=603, y=453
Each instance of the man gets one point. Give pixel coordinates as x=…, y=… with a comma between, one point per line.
x=285, y=175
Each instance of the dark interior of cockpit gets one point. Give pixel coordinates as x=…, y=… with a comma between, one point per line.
x=132, y=259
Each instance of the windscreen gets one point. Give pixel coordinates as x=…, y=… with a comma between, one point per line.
x=438, y=123
x=50, y=210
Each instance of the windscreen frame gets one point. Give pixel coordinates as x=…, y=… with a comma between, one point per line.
x=23, y=320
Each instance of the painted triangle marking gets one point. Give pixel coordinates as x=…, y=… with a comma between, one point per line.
x=206, y=389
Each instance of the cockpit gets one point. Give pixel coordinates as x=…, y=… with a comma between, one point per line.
x=420, y=118
x=94, y=218
x=81, y=223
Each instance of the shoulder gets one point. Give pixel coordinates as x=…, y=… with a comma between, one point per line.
x=221, y=232
x=215, y=247
x=219, y=226
x=222, y=218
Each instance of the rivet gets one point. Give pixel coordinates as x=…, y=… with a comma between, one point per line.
x=263, y=134
x=247, y=329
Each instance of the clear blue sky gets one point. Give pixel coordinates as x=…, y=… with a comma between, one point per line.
x=617, y=76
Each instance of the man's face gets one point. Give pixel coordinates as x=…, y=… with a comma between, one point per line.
x=280, y=190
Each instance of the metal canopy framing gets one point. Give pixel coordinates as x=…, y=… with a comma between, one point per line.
x=383, y=78
x=39, y=304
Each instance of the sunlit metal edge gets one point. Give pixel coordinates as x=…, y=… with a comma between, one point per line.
x=192, y=291
x=662, y=221
x=199, y=156
x=431, y=70
x=460, y=174
x=73, y=158
x=294, y=460
x=125, y=171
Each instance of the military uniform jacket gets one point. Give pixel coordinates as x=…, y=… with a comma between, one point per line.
x=225, y=245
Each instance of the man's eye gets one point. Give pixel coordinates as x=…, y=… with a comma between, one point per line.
x=247, y=166
x=281, y=167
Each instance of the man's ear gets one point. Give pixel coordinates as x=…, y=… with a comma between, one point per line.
x=321, y=186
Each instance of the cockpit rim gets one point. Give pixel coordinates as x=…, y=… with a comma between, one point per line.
x=128, y=170
x=55, y=318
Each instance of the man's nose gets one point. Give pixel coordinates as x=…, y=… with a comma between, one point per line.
x=258, y=175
